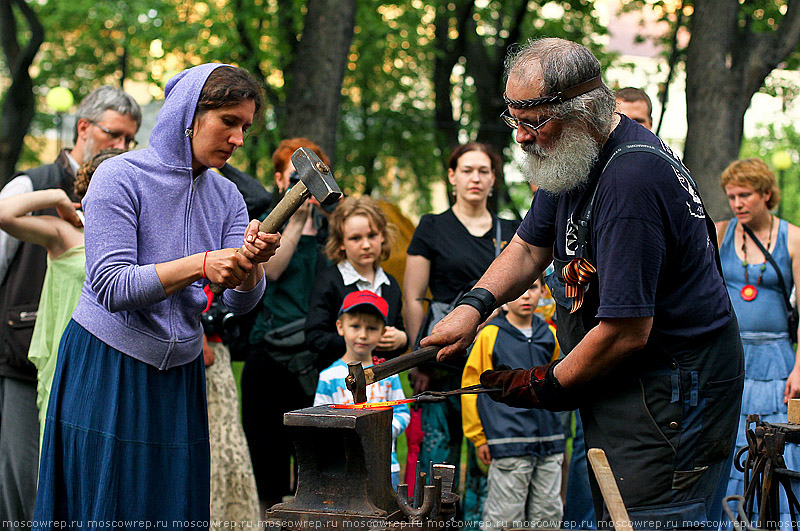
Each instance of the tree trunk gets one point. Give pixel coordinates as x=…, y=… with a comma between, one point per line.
x=484, y=63
x=123, y=66
x=725, y=65
x=448, y=52
x=672, y=62
x=19, y=106
x=314, y=92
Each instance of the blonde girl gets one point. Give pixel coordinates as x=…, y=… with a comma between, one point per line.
x=359, y=239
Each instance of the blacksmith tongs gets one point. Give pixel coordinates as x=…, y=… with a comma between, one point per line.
x=440, y=396
x=359, y=378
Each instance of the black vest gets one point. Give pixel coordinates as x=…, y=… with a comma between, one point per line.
x=22, y=286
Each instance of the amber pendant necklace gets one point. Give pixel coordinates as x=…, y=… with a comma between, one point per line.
x=750, y=292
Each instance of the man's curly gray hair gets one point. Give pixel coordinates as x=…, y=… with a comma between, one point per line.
x=565, y=64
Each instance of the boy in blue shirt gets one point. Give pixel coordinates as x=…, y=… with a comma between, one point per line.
x=361, y=322
x=524, y=448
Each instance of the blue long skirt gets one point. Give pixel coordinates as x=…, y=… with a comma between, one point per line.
x=123, y=441
x=768, y=360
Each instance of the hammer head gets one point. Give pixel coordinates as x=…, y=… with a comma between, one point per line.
x=356, y=382
x=316, y=175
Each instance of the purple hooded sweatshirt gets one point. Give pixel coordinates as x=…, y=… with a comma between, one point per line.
x=145, y=208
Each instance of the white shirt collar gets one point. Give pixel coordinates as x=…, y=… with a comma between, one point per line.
x=351, y=276
x=73, y=163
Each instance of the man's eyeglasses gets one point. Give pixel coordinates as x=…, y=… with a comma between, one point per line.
x=514, y=123
x=130, y=142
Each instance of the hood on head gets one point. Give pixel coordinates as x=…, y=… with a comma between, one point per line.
x=168, y=137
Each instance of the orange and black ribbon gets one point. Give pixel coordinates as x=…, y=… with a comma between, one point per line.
x=577, y=275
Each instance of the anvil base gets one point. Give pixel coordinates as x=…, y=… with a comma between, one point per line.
x=343, y=470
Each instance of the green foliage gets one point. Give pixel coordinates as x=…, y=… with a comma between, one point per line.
x=388, y=134
x=36, y=144
x=386, y=130
x=754, y=16
x=29, y=158
x=89, y=43
x=473, y=39
x=773, y=141
x=260, y=36
x=478, y=39
x=521, y=195
x=761, y=16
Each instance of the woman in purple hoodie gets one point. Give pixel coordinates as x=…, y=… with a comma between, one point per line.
x=126, y=435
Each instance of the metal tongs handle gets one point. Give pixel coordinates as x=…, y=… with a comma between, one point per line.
x=439, y=396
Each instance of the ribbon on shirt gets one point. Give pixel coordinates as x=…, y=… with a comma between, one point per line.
x=577, y=274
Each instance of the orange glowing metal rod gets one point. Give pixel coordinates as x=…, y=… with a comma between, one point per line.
x=427, y=396
x=371, y=405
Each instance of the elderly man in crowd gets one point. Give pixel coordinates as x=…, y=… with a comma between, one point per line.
x=654, y=358
x=106, y=118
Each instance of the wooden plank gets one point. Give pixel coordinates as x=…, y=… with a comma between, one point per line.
x=609, y=489
x=794, y=411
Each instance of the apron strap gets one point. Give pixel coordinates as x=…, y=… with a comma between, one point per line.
x=684, y=171
x=583, y=222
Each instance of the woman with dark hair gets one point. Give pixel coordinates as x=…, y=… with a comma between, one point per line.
x=126, y=436
x=448, y=254
x=772, y=363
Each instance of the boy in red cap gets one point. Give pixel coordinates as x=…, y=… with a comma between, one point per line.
x=361, y=322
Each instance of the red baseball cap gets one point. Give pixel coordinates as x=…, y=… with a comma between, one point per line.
x=365, y=298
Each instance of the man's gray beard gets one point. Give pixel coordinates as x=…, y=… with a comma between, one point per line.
x=563, y=167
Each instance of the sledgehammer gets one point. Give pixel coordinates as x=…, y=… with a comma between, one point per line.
x=316, y=180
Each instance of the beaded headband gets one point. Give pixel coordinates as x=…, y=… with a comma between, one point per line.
x=559, y=97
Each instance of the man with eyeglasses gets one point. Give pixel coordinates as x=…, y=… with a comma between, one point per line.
x=654, y=360
x=106, y=118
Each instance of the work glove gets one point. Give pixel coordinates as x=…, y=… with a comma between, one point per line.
x=529, y=388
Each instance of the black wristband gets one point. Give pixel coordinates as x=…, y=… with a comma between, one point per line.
x=481, y=299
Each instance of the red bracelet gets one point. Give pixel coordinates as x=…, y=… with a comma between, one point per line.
x=204, y=264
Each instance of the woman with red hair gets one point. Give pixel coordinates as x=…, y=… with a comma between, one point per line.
x=758, y=291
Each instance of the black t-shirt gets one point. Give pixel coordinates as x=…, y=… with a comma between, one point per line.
x=648, y=240
x=458, y=258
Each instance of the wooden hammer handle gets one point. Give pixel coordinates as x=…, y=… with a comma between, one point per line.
x=287, y=206
x=399, y=364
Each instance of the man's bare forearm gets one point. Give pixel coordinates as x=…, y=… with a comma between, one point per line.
x=515, y=270
x=602, y=349
x=510, y=274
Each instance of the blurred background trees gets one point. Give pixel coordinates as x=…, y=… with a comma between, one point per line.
x=734, y=46
x=729, y=49
x=20, y=45
x=387, y=88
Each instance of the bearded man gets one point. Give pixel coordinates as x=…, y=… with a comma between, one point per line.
x=654, y=358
